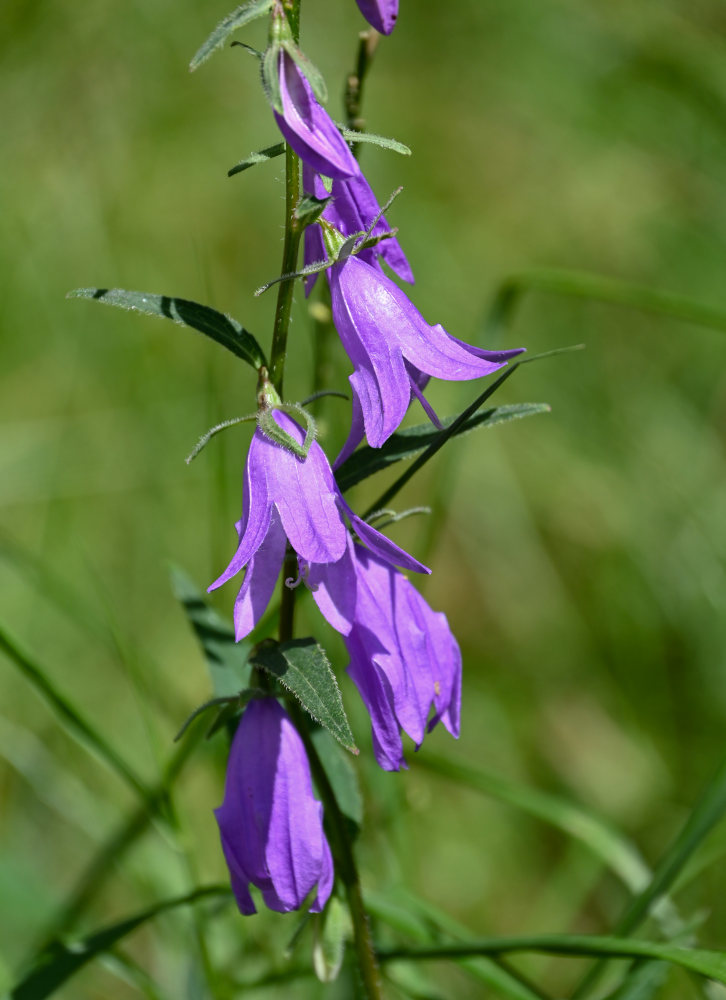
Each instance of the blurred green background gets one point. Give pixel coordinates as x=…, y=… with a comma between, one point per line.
x=582, y=559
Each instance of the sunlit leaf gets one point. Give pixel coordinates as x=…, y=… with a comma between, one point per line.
x=242, y=15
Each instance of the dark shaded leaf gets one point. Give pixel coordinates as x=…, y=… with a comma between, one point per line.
x=302, y=667
x=222, y=329
x=366, y=461
x=226, y=659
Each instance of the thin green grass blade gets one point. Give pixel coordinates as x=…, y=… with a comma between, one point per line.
x=620, y=856
x=61, y=961
x=422, y=928
x=585, y=285
x=102, y=864
x=711, y=964
x=708, y=811
x=70, y=717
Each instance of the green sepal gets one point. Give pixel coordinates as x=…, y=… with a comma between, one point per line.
x=309, y=70
x=331, y=929
x=302, y=667
x=309, y=209
x=242, y=15
x=270, y=76
x=232, y=703
x=271, y=429
x=352, y=135
x=217, y=326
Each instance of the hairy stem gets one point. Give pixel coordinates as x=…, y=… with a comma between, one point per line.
x=291, y=246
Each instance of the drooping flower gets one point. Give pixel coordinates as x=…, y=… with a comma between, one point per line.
x=381, y=14
x=288, y=497
x=390, y=344
x=307, y=127
x=271, y=825
x=352, y=210
x=404, y=659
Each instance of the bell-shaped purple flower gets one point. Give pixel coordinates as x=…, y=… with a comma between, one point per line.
x=288, y=497
x=307, y=127
x=381, y=14
x=404, y=659
x=270, y=823
x=352, y=210
x=390, y=345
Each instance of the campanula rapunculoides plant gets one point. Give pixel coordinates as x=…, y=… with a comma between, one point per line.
x=283, y=829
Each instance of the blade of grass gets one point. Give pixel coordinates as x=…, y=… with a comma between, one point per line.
x=707, y=812
x=711, y=964
x=585, y=285
x=604, y=841
x=71, y=719
x=60, y=961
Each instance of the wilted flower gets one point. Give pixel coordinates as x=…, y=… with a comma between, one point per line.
x=352, y=210
x=381, y=14
x=307, y=127
x=404, y=659
x=270, y=824
x=288, y=497
x=382, y=331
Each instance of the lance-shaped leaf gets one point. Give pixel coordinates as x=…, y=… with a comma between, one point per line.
x=216, y=325
x=242, y=15
x=302, y=667
x=262, y=156
x=409, y=442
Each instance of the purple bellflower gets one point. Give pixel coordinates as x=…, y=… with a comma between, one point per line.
x=392, y=349
x=352, y=210
x=307, y=127
x=288, y=497
x=381, y=14
x=270, y=824
x=404, y=659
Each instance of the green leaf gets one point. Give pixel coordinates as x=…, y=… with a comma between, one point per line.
x=711, y=964
x=708, y=811
x=366, y=461
x=643, y=981
x=599, y=837
x=268, y=153
x=352, y=135
x=341, y=774
x=331, y=929
x=302, y=667
x=243, y=14
x=599, y=288
x=61, y=961
x=222, y=329
x=71, y=718
x=226, y=659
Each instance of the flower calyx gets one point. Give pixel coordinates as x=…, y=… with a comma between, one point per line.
x=268, y=401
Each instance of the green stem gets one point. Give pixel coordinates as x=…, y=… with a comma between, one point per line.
x=346, y=870
x=291, y=246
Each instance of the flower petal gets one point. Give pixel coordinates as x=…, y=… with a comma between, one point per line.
x=307, y=127
x=260, y=579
